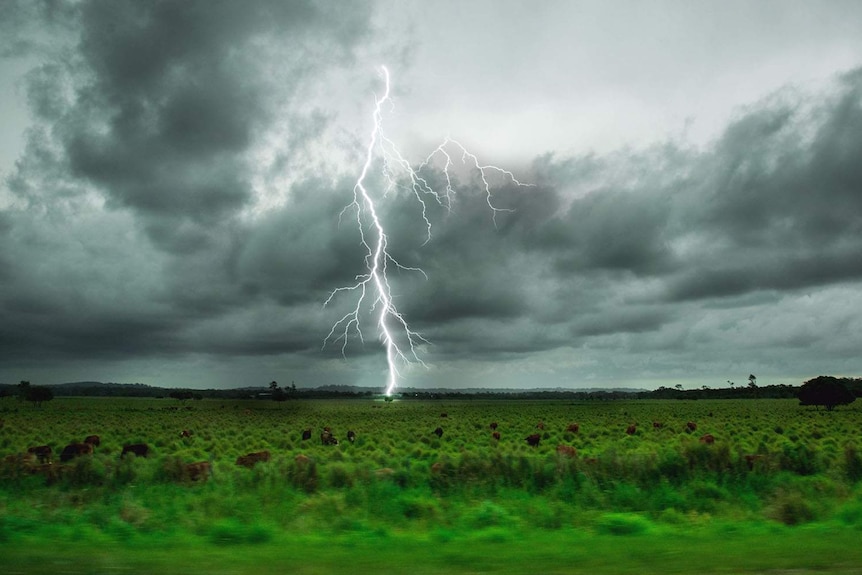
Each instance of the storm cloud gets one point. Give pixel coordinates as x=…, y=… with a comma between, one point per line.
x=176, y=215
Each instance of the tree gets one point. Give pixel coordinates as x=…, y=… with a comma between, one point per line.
x=277, y=393
x=38, y=394
x=752, y=381
x=826, y=391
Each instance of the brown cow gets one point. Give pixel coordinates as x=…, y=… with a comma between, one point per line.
x=708, y=439
x=573, y=428
x=533, y=440
x=306, y=434
x=567, y=451
x=631, y=429
x=493, y=425
x=138, y=449
x=74, y=450
x=438, y=432
x=93, y=440
x=42, y=452
x=250, y=459
x=200, y=470
x=326, y=438
x=185, y=433
x=691, y=426
x=540, y=425
x=351, y=436
x=302, y=460
x=657, y=424
x=751, y=460
x=496, y=435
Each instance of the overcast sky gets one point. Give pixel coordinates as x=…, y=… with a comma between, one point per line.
x=174, y=175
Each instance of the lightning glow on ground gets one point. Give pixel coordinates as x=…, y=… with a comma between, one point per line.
x=397, y=173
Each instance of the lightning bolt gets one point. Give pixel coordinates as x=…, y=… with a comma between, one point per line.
x=397, y=173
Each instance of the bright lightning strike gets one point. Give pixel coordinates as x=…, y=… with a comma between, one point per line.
x=397, y=173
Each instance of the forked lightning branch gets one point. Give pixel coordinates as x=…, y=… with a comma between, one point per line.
x=372, y=291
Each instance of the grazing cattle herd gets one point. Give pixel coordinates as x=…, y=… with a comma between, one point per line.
x=38, y=458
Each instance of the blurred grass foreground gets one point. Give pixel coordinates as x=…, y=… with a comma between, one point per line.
x=611, y=487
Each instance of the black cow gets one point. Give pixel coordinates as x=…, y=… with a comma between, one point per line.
x=351, y=436
x=74, y=450
x=306, y=434
x=326, y=438
x=533, y=440
x=139, y=449
x=438, y=432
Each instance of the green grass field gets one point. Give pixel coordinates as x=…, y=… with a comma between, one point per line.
x=777, y=492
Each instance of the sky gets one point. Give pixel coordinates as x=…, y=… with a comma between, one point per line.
x=177, y=180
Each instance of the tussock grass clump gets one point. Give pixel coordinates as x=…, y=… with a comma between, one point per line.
x=623, y=524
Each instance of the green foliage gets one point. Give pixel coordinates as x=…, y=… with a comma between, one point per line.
x=852, y=463
x=622, y=524
x=399, y=477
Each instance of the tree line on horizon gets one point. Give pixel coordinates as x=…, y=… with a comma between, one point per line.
x=823, y=390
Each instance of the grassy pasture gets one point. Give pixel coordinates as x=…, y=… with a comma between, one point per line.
x=780, y=481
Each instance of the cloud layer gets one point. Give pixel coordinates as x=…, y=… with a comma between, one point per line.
x=171, y=221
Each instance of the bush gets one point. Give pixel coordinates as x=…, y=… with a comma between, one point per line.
x=622, y=524
x=852, y=463
x=791, y=508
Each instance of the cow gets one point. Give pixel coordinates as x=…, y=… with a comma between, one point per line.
x=567, y=451
x=438, y=432
x=250, y=459
x=326, y=438
x=306, y=434
x=691, y=426
x=351, y=436
x=540, y=425
x=533, y=440
x=573, y=428
x=302, y=460
x=42, y=453
x=444, y=414
x=74, y=450
x=708, y=439
x=493, y=425
x=657, y=424
x=751, y=460
x=200, y=470
x=138, y=449
x=496, y=435
x=631, y=429
x=93, y=440
x=186, y=433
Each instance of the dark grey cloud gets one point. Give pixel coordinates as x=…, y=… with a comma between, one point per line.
x=151, y=219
